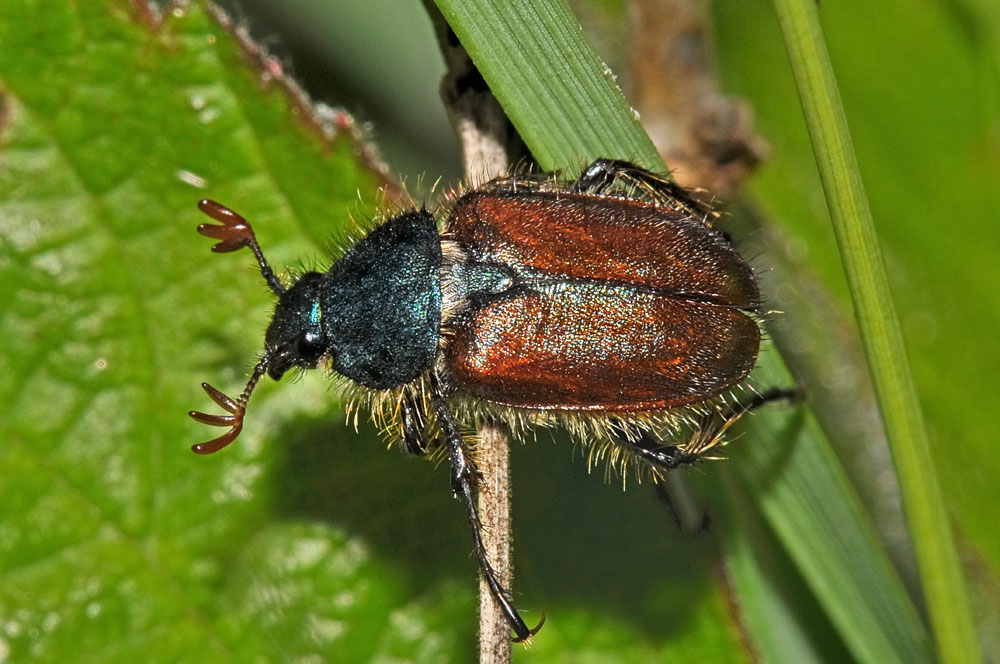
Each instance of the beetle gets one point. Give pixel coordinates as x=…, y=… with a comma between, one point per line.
x=608, y=304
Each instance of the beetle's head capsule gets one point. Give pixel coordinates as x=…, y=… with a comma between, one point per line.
x=295, y=337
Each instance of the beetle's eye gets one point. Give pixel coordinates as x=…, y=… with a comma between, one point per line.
x=310, y=346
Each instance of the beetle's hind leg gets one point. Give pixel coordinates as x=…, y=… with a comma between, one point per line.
x=706, y=435
x=714, y=424
x=648, y=448
x=605, y=174
x=464, y=478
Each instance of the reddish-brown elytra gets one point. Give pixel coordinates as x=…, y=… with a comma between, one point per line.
x=619, y=305
x=608, y=304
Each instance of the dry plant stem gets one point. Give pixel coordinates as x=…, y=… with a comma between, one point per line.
x=493, y=458
x=705, y=137
x=485, y=136
x=485, y=158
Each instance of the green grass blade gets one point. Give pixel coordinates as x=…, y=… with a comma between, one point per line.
x=777, y=608
x=881, y=336
x=794, y=478
x=554, y=88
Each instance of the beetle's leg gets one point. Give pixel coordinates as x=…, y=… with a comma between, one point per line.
x=413, y=416
x=601, y=175
x=715, y=424
x=464, y=477
x=649, y=449
x=706, y=435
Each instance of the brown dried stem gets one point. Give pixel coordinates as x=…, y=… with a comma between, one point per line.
x=486, y=138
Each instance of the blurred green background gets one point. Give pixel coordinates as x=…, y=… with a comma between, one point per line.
x=305, y=540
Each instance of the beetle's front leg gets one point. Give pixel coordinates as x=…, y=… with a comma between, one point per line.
x=413, y=415
x=464, y=478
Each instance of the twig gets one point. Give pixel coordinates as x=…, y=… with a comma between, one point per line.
x=706, y=137
x=493, y=457
x=487, y=141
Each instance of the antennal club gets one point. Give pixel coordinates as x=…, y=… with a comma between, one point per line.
x=237, y=410
x=234, y=234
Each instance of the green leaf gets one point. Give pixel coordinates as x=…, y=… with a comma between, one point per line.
x=117, y=543
x=786, y=623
